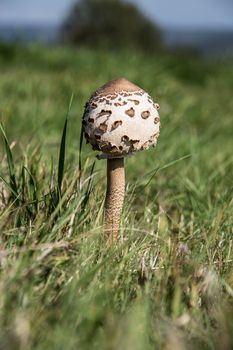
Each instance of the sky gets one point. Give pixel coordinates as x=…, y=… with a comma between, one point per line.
x=204, y=14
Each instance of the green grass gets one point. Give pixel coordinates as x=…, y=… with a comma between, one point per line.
x=168, y=282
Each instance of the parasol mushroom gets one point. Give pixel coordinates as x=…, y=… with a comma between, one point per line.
x=119, y=119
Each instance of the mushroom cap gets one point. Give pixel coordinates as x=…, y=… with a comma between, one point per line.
x=121, y=118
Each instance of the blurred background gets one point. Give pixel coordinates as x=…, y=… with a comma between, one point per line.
x=202, y=27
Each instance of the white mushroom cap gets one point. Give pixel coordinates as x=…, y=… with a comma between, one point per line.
x=121, y=118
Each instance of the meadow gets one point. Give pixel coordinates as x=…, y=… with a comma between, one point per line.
x=168, y=282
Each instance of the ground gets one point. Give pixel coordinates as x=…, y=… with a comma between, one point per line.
x=168, y=282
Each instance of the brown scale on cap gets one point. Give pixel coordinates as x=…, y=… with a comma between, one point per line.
x=125, y=138
x=113, y=97
x=91, y=120
x=130, y=112
x=116, y=124
x=156, y=120
x=139, y=93
x=145, y=114
x=118, y=104
x=105, y=146
x=135, y=144
x=146, y=145
x=97, y=137
x=136, y=102
x=105, y=113
x=132, y=144
x=114, y=149
x=103, y=127
x=154, y=137
x=124, y=94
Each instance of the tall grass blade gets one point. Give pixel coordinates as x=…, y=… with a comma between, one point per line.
x=11, y=167
x=80, y=153
x=62, y=151
x=23, y=185
x=61, y=161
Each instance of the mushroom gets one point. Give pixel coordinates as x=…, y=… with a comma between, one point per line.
x=119, y=119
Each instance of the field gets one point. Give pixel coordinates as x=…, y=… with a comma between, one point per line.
x=168, y=282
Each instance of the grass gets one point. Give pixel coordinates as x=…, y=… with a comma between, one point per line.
x=168, y=282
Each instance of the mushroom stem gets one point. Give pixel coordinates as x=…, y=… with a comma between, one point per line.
x=114, y=197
